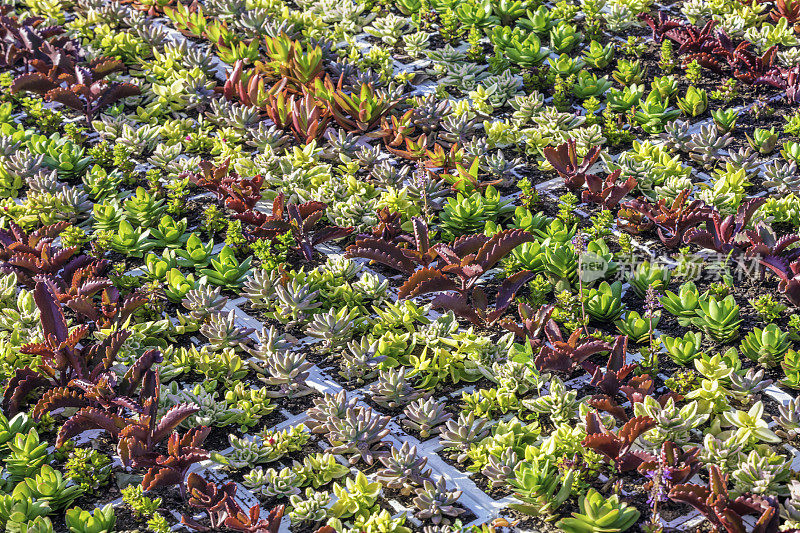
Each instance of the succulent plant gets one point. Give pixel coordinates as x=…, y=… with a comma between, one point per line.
x=672, y=423
x=744, y=158
x=425, y=416
x=791, y=505
x=211, y=411
x=501, y=469
x=464, y=431
x=271, y=342
x=311, y=508
x=101, y=520
x=333, y=327
x=727, y=454
x=343, y=142
x=436, y=503
x=368, y=155
x=684, y=350
x=393, y=390
x=766, y=346
x=287, y=370
x=788, y=419
x=720, y=319
x=329, y=407
x=266, y=447
x=752, y=382
x=259, y=288
x=749, y=426
x=274, y=483
x=222, y=332
x=50, y=487
x=268, y=136
x=359, y=433
x=561, y=405
x=204, y=301
x=403, y=469
x=293, y=302
x=356, y=497
x=783, y=177
x=320, y=469
x=706, y=145
x=760, y=474
x=359, y=361
x=598, y=514
x=386, y=174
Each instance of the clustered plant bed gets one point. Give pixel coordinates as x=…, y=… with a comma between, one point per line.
x=425, y=265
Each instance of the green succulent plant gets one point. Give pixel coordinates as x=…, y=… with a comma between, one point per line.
x=178, y=285
x=9, y=429
x=564, y=37
x=604, y=303
x=566, y=65
x=694, y=103
x=600, y=515
x=226, y=271
x=170, y=233
x=195, y=254
x=654, y=113
x=130, y=241
x=684, y=350
x=20, y=507
x=99, y=521
x=766, y=346
x=66, y=157
x=469, y=214
x=50, y=486
x=628, y=72
x=107, y=216
x=528, y=52
x=588, y=85
x=599, y=56
x=719, y=319
x=636, y=327
x=666, y=86
x=539, y=486
x=763, y=140
x=649, y=275
x=560, y=263
x=684, y=304
x=791, y=367
x=725, y=119
x=750, y=426
x=27, y=456
x=621, y=100
x=156, y=267
x=40, y=524
x=143, y=208
x=791, y=152
x=357, y=497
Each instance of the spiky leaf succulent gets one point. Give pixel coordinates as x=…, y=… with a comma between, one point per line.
x=287, y=370
x=403, y=469
x=259, y=288
x=461, y=433
x=436, y=503
x=393, y=390
x=425, y=416
x=222, y=332
x=359, y=434
x=204, y=301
